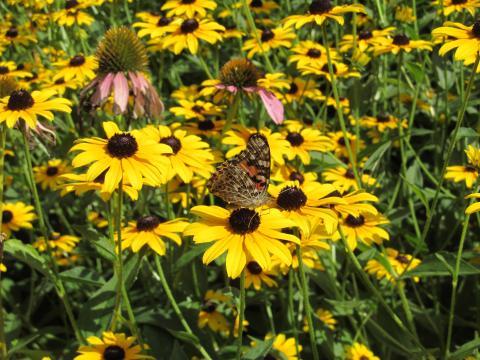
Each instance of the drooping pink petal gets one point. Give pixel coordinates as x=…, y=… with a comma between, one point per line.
x=251, y=89
x=105, y=86
x=120, y=86
x=273, y=106
x=229, y=88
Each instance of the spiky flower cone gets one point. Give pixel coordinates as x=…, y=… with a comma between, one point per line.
x=121, y=51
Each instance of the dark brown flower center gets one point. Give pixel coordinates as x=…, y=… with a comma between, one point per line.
x=70, y=4
x=267, y=35
x=52, y=170
x=320, y=7
x=187, y=2
x=7, y=216
x=349, y=174
x=243, y=221
x=297, y=176
x=122, y=145
x=470, y=168
x=295, y=139
x=401, y=40
x=148, y=223
x=256, y=3
x=206, y=125
x=12, y=32
x=60, y=81
x=383, y=118
x=114, y=352
x=293, y=88
x=77, y=60
x=173, y=142
x=4, y=70
x=20, y=100
x=209, y=306
x=325, y=68
x=198, y=109
x=458, y=2
x=341, y=141
x=164, y=21
x=291, y=198
x=476, y=29
x=402, y=259
x=355, y=221
x=189, y=26
x=100, y=179
x=365, y=35
x=314, y=53
x=254, y=268
x=363, y=357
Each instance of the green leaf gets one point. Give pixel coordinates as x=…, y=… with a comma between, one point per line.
x=26, y=253
x=82, y=275
x=260, y=350
x=105, y=248
x=441, y=264
x=416, y=71
x=190, y=255
x=465, y=350
x=184, y=336
x=466, y=132
x=376, y=156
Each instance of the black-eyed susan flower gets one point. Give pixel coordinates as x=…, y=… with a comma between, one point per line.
x=356, y=203
x=22, y=105
x=340, y=70
x=289, y=173
x=97, y=219
x=310, y=53
x=130, y=157
x=153, y=25
x=266, y=40
x=80, y=184
x=256, y=276
x=325, y=316
x=16, y=216
x=60, y=85
x=340, y=149
x=185, y=33
x=382, y=122
x=279, y=146
x=453, y=6
x=359, y=351
x=364, y=228
x=473, y=155
x=400, y=43
x=303, y=204
x=466, y=39
x=458, y=173
x=283, y=348
x=73, y=13
x=78, y=67
x=122, y=63
x=49, y=175
x=241, y=233
x=208, y=127
x=241, y=75
x=111, y=346
x=56, y=241
x=211, y=317
x=18, y=35
x=9, y=68
x=404, y=14
x=366, y=39
x=190, y=92
x=197, y=109
x=303, y=140
x=475, y=207
x=300, y=89
x=321, y=10
x=189, y=154
x=310, y=259
x=150, y=230
x=343, y=178
x=188, y=8
x=399, y=264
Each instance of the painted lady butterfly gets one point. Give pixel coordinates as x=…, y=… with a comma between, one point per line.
x=243, y=180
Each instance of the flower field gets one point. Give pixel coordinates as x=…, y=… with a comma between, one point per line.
x=239, y=179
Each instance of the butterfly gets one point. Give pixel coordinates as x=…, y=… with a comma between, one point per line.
x=243, y=180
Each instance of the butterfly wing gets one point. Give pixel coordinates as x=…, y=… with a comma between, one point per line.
x=243, y=180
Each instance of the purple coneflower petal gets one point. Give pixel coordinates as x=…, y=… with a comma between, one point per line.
x=229, y=88
x=105, y=86
x=272, y=104
x=120, y=85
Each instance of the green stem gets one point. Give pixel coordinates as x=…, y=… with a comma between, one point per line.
x=461, y=116
x=232, y=112
x=241, y=315
x=455, y=276
x=56, y=279
x=291, y=311
x=406, y=307
x=306, y=301
x=117, y=311
x=177, y=310
x=3, y=139
x=340, y=108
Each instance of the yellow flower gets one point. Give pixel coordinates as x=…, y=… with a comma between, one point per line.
x=241, y=233
x=79, y=67
x=149, y=230
x=401, y=43
x=21, y=105
x=473, y=155
x=111, y=346
x=475, y=207
x=256, y=276
x=188, y=8
x=344, y=179
x=322, y=10
x=310, y=53
x=288, y=173
x=9, y=68
x=130, y=157
x=364, y=228
x=359, y=352
x=195, y=109
x=283, y=348
x=399, y=263
x=185, y=33
x=381, y=122
x=190, y=155
x=340, y=70
x=56, y=241
x=325, y=317
x=299, y=90
x=303, y=140
x=152, y=24
x=50, y=175
x=404, y=14
x=366, y=39
x=16, y=216
x=72, y=14
x=210, y=315
x=458, y=173
x=97, y=219
x=269, y=39
x=451, y=6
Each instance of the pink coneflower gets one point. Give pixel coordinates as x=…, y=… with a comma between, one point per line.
x=122, y=60
x=241, y=75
